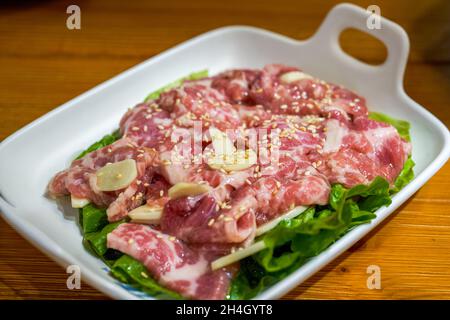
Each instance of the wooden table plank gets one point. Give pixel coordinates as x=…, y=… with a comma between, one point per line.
x=43, y=65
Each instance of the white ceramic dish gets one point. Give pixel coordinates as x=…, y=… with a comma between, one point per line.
x=31, y=156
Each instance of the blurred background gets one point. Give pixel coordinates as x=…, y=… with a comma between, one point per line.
x=43, y=64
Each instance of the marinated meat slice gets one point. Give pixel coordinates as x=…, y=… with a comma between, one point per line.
x=199, y=220
x=203, y=220
x=235, y=84
x=172, y=263
x=80, y=179
x=358, y=155
x=196, y=101
x=270, y=197
x=157, y=191
x=304, y=95
x=132, y=197
x=146, y=124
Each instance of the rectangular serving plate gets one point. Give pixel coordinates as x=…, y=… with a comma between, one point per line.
x=31, y=156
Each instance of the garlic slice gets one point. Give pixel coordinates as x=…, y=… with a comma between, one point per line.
x=226, y=156
x=117, y=175
x=238, y=255
x=78, y=202
x=184, y=189
x=146, y=214
x=294, y=76
x=221, y=143
x=273, y=223
x=240, y=160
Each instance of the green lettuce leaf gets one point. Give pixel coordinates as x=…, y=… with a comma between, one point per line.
x=193, y=76
x=405, y=176
x=95, y=242
x=401, y=125
x=92, y=219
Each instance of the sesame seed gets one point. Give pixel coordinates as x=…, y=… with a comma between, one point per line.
x=172, y=238
x=145, y=128
x=228, y=219
x=160, y=127
x=248, y=181
x=135, y=128
x=144, y=274
x=130, y=241
x=211, y=222
x=161, y=193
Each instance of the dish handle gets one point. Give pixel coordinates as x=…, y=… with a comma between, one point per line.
x=344, y=16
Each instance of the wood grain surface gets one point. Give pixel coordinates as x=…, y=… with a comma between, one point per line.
x=43, y=64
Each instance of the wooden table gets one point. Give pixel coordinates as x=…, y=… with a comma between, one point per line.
x=43, y=64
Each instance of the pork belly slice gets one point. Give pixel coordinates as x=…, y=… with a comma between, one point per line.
x=304, y=96
x=202, y=219
x=199, y=220
x=235, y=84
x=358, y=154
x=80, y=179
x=147, y=125
x=270, y=197
x=197, y=100
x=172, y=263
